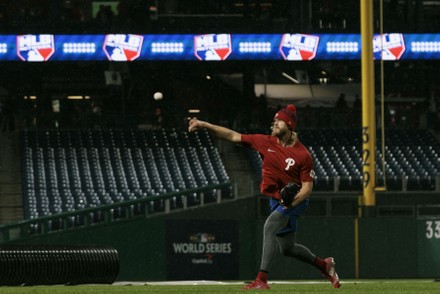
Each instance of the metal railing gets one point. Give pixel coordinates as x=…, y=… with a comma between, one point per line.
x=404, y=186
x=106, y=214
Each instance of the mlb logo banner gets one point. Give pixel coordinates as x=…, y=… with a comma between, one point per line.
x=35, y=48
x=388, y=46
x=212, y=46
x=299, y=46
x=122, y=47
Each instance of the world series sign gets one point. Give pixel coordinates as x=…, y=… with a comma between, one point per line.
x=35, y=48
x=202, y=249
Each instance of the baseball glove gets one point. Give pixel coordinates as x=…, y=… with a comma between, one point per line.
x=288, y=193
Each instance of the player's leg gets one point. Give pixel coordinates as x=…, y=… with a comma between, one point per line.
x=280, y=222
x=283, y=223
x=289, y=247
x=274, y=223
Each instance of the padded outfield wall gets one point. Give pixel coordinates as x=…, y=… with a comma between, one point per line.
x=224, y=242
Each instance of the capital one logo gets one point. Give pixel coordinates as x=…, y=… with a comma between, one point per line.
x=35, y=48
x=122, y=47
x=388, y=46
x=212, y=46
x=299, y=46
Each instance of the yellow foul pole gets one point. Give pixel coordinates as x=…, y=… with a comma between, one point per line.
x=368, y=109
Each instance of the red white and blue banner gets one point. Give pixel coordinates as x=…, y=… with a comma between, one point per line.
x=214, y=47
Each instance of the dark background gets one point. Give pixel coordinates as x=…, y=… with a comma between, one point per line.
x=408, y=84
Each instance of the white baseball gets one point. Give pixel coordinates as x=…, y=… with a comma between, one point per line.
x=158, y=96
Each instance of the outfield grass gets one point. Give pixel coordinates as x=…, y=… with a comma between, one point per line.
x=379, y=286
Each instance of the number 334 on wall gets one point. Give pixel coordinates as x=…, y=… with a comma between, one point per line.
x=432, y=229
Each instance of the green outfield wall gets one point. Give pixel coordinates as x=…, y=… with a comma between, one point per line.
x=229, y=235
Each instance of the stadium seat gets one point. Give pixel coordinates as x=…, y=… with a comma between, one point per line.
x=75, y=169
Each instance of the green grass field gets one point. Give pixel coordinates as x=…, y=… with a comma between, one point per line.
x=360, y=286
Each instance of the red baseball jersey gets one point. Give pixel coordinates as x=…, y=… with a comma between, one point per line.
x=281, y=165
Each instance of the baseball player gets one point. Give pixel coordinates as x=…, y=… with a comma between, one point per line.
x=287, y=178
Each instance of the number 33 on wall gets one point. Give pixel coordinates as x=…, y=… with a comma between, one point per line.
x=432, y=229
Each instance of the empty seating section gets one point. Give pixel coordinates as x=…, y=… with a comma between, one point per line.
x=75, y=169
x=412, y=159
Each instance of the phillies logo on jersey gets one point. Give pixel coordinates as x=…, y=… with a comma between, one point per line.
x=390, y=46
x=289, y=162
x=35, y=48
x=122, y=47
x=299, y=46
x=212, y=46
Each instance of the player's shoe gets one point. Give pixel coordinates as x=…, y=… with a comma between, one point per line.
x=330, y=272
x=258, y=284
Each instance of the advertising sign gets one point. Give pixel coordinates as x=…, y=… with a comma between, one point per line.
x=35, y=48
x=299, y=47
x=202, y=249
x=215, y=47
x=122, y=47
x=388, y=46
x=212, y=46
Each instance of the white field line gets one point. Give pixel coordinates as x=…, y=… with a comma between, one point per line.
x=298, y=282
